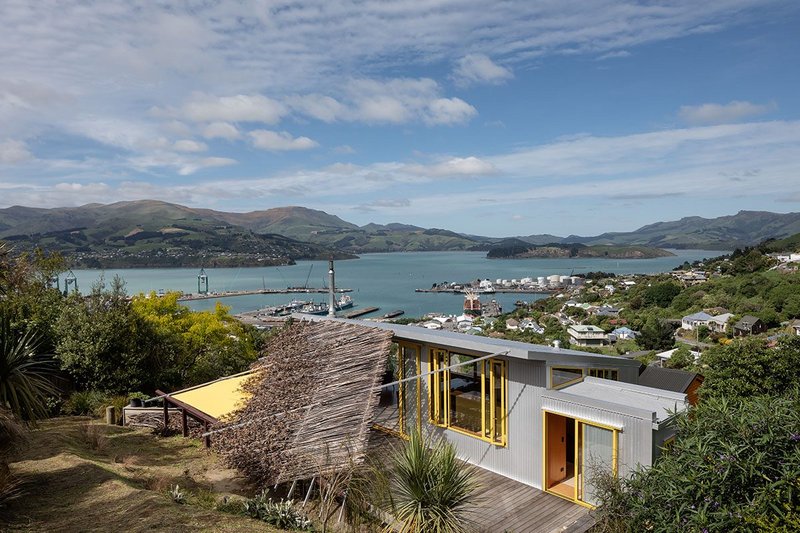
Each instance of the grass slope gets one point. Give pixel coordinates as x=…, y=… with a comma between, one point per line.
x=110, y=478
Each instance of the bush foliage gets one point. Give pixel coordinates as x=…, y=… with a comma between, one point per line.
x=734, y=466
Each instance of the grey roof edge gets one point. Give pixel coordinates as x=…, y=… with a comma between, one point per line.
x=621, y=408
x=641, y=389
x=516, y=349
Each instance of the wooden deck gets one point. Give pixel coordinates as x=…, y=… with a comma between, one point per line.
x=508, y=505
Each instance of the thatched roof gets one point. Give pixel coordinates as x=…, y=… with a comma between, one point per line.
x=313, y=406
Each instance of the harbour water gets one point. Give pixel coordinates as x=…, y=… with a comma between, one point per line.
x=386, y=281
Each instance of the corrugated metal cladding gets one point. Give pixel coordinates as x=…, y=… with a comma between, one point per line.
x=635, y=435
x=521, y=458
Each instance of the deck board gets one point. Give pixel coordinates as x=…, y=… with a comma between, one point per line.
x=508, y=505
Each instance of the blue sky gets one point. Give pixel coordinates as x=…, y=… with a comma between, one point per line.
x=493, y=118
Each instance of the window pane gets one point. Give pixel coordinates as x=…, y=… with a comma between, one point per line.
x=596, y=457
x=499, y=400
x=410, y=388
x=465, y=394
x=388, y=415
x=439, y=391
x=565, y=375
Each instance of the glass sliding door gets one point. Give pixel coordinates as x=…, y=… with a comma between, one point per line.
x=596, y=455
x=410, y=390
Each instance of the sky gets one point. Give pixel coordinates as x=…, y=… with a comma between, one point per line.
x=485, y=117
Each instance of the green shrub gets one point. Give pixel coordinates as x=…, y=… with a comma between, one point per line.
x=85, y=403
x=734, y=466
x=280, y=514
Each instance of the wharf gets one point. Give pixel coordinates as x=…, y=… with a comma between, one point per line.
x=361, y=312
x=288, y=290
x=536, y=290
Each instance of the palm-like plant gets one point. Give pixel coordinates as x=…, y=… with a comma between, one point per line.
x=430, y=489
x=24, y=383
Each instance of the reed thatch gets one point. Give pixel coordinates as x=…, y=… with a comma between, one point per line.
x=313, y=404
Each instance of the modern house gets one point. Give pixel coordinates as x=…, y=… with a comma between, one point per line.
x=543, y=416
x=690, y=322
x=749, y=325
x=587, y=335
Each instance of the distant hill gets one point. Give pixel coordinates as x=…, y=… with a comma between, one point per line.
x=147, y=228
x=519, y=249
x=746, y=228
x=148, y=233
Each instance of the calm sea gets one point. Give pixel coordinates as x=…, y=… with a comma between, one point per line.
x=386, y=281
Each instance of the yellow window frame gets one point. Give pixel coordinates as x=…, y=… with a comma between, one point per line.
x=578, y=423
x=439, y=397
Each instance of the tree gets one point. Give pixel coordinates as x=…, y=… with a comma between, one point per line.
x=734, y=466
x=656, y=335
x=198, y=346
x=100, y=342
x=660, y=294
x=748, y=367
x=681, y=358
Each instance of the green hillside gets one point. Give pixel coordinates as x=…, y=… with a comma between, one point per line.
x=519, y=249
x=746, y=228
x=147, y=234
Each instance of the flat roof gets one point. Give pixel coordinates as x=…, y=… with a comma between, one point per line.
x=475, y=343
x=659, y=403
x=216, y=398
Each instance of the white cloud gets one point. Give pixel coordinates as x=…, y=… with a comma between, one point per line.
x=318, y=106
x=723, y=113
x=239, y=108
x=401, y=100
x=12, y=151
x=344, y=149
x=449, y=111
x=479, y=68
x=280, y=141
x=221, y=130
x=614, y=54
x=454, y=167
x=188, y=145
x=192, y=166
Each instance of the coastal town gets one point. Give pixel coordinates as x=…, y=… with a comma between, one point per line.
x=385, y=266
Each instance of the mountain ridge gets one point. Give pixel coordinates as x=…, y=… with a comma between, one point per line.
x=322, y=232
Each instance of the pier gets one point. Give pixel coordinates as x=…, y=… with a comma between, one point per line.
x=288, y=290
x=361, y=312
x=519, y=290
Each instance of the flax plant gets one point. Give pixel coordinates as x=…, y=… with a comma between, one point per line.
x=430, y=489
x=24, y=373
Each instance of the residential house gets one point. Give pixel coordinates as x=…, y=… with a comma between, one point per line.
x=606, y=310
x=691, y=322
x=672, y=379
x=535, y=414
x=663, y=357
x=749, y=325
x=624, y=333
x=512, y=324
x=528, y=324
x=719, y=323
x=794, y=327
x=587, y=335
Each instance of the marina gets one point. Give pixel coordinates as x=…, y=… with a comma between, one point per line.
x=386, y=281
x=229, y=294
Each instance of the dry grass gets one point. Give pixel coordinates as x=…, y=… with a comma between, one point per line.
x=91, y=477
